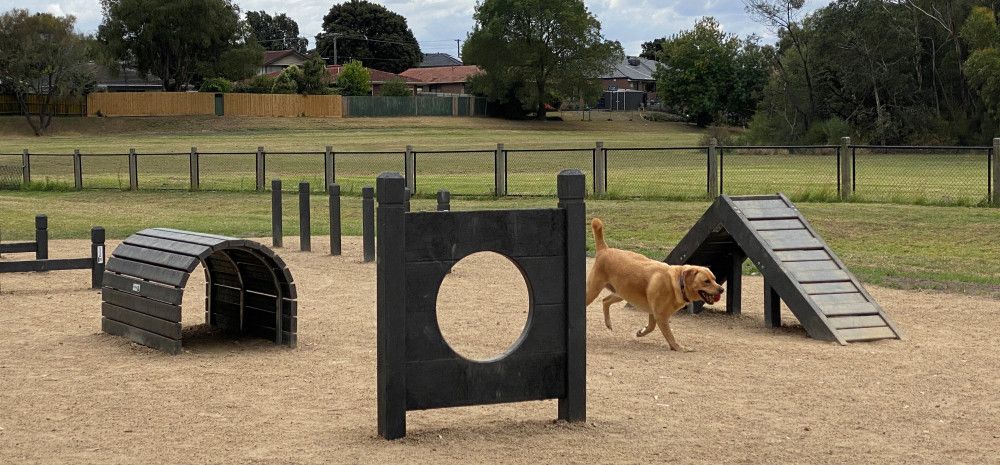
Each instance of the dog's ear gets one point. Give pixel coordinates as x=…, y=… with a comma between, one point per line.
x=689, y=274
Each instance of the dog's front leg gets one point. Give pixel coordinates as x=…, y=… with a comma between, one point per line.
x=649, y=327
x=608, y=301
x=669, y=335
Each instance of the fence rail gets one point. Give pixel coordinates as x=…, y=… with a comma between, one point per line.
x=867, y=173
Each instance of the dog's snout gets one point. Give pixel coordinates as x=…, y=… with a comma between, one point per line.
x=721, y=289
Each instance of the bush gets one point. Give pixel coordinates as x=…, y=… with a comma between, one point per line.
x=354, y=79
x=261, y=84
x=396, y=87
x=724, y=136
x=216, y=85
x=288, y=81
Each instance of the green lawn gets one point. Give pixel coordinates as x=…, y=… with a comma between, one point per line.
x=895, y=245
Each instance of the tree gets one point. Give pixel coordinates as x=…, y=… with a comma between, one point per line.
x=545, y=49
x=396, y=87
x=41, y=57
x=368, y=32
x=176, y=40
x=354, y=79
x=712, y=76
x=309, y=79
x=278, y=32
x=652, y=49
x=982, y=35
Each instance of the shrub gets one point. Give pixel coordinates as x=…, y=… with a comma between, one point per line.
x=261, y=84
x=354, y=79
x=396, y=87
x=288, y=81
x=215, y=85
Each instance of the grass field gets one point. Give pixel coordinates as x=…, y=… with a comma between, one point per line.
x=457, y=154
x=896, y=245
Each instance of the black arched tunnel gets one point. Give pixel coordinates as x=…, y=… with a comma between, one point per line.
x=249, y=288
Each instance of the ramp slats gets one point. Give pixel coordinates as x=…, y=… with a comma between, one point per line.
x=859, y=308
x=777, y=225
x=849, y=322
x=817, y=265
x=760, y=204
x=828, y=276
x=867, y=334
x=802, y=255
x=834, y=299
x=771, y=214
x=829, y=288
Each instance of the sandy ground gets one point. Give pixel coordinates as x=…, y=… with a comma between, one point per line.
x=70, y=394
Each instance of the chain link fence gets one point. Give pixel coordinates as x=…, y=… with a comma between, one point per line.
x=170, y=171
x=10, y=171
x=295, y=167
x=104, y=170
x=533, y=171
x=228, y=171
x=52, y=170
x=461, y=172
x=674, y=172
x=900, y=174
x=801, y=172
x=354, y=170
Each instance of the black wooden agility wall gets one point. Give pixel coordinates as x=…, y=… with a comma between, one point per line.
x=417, y=369
x=249, y=288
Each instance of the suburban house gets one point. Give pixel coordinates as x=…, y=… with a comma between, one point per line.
x=278, y=60
x=632, y=73
x=123, y=80
x=440, y=79
x=433, y=60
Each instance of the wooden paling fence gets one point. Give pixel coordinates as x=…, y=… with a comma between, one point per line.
x=67, y=105
x=150, y=104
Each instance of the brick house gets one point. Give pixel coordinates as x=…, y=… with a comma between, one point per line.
x=378, y=77
x=440, y=79
x=632, y=73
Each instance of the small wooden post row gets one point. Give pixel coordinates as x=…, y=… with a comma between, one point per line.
x=443, y=201
x=305, y=223
x=41, y=237
x=305, y=217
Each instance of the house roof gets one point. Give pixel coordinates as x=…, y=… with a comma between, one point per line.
x=634, y=69
x=378, y=76
x=441, y=74
x=271, y=56
x=439, y=59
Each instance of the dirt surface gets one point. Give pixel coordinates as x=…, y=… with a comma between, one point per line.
x=70, y=394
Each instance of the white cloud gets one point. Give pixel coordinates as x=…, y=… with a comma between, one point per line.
x=436, y=23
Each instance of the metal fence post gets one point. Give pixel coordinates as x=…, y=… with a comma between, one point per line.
x=712, y=182
x=410, y=160
x=77, y=170
x=41, y=237
x=277, y=235
x=328, y=171
x=133, y=170
x=195, y=169
x=600, y=169
x=97, y=255
x=995, y=185
x=444, y=200
x=846, y=169
x=335, y=243
x=305, y=223
x=26, y=167
x=500, y=172
x=368, y=222
x=259, y=167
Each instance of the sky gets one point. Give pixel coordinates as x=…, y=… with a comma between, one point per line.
x=437, y=23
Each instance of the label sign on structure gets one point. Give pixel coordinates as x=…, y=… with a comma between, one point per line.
x=136, y=287
x=100, y=254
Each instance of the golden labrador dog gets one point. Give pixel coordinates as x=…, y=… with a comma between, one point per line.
x=650, y=285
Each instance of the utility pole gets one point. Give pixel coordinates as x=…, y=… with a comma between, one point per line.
x=458, y=49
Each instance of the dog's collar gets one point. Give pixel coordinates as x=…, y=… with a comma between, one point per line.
x=683, y=292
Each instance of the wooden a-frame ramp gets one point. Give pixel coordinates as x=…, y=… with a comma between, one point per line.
x=797, y=265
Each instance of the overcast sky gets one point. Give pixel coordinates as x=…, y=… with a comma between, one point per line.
x=437, y=23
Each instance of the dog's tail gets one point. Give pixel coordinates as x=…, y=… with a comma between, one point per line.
x=598, y=227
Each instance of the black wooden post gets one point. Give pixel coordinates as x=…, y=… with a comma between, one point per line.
x=406, y=199
x=444, y=200
x=277, y=235
x=335, y=245
x=260, y=169
x=133, y=170
x=305, y=225
x=194, y=165
x=77, y=170
x=42, y=237
x=25, y=168
x=368, y=221
x=735, y=285
x=391, y=307
x=572, y=188
x=97, y=255
x=772, y=306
